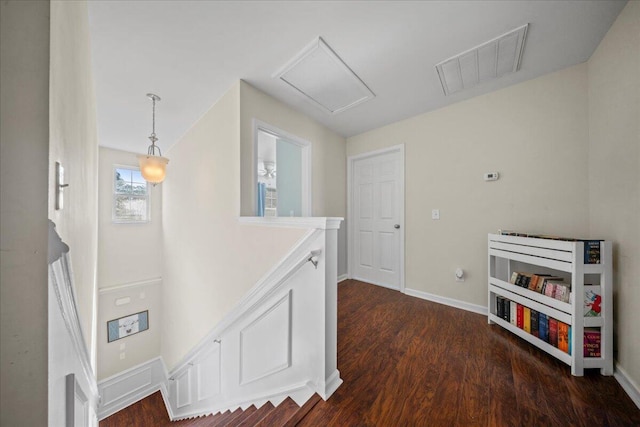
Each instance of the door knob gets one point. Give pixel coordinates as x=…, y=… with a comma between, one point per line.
x=396, y=226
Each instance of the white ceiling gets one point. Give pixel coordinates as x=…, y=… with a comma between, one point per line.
x=191, y=52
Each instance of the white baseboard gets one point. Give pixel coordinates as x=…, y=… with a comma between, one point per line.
x=129, y=386
x=342, y=278
x=447, y=301
x=629, y=386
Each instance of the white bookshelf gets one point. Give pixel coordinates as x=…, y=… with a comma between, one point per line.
x=526, y=254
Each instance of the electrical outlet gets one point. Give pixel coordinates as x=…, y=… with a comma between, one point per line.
x=435, y=213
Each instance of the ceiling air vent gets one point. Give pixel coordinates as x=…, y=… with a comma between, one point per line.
x=487, y=61
x=320, y=75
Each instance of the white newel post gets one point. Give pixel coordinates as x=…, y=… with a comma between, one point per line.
x=331, y=376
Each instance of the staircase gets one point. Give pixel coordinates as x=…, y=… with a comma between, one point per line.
x=151, y=412
x=276, y=349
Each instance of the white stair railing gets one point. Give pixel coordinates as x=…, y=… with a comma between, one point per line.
x=280, y=341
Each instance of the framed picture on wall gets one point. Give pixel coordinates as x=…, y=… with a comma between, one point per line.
x=127, y=325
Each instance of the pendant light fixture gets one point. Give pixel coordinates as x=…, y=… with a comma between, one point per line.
x=153, y=167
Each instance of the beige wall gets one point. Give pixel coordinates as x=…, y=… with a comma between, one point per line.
x=137, y=348
x=328, y=165
x=129, y=266
x=74, y=143
x=210, y=260
x=127, y=252
x=24, y=147
x=614, y=172
x=534, y=134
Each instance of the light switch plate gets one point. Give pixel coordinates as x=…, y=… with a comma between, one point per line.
x=435, y=213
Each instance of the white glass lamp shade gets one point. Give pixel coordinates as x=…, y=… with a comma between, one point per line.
x=153, y=168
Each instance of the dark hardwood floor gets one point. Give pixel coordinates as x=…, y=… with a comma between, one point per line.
x=409, y=362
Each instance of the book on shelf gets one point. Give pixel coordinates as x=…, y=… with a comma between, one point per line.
x=513, y=315
x=520, y=316
x=592, y=301
x=499, y=306
x=561, y=292
x=513, y=277
x=553, y=332
x=591, y=251
x=592, y=340
x=526, y=319
x=506, y=310
x=549, y=289
x=570, y=345
x=534, y=323
x=545, y=279
x=543, y=327
x=563, y=337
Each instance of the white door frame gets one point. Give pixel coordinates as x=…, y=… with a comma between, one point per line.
x=306, y=162
x=350, y=229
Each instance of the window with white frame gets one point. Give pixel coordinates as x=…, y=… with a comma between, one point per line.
x=130, y=195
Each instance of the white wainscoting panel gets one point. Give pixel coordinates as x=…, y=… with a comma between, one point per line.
x=265, y=344
x=130, y=383
x=208, y=374
x=183, y=389
x=130, y=386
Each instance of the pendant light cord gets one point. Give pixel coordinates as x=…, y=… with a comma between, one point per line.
x=152, y=137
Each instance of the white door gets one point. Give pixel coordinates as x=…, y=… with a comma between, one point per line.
x=377, y=200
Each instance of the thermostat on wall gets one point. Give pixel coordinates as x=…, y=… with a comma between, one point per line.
x=491, y=176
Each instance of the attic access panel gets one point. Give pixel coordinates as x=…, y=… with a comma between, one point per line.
x=484, y=62
x=320, y=75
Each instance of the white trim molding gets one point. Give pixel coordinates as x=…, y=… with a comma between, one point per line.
x=116, y=288
x=350, y=220
x=307, y=173
x=627, y=384
x=467, y=306
x=342, y=278
x=322, y=223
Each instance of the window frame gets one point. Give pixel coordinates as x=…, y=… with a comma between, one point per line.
x=114, y=218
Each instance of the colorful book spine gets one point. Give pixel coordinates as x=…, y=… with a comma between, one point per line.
x=591, y=251
x=592, y=341
x=549, y=289
x=506, y=312
x=513, y=315
x=520, y=316
x=499, y=306
x=514, y=277
x=526, y=319
x=563, y=337
x=534, y=323
x=543, y=327
x=553, y=332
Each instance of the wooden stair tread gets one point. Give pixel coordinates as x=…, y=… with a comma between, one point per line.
x=303, y=411
x=242, y=415
x=280, y=414
x=257, y=415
